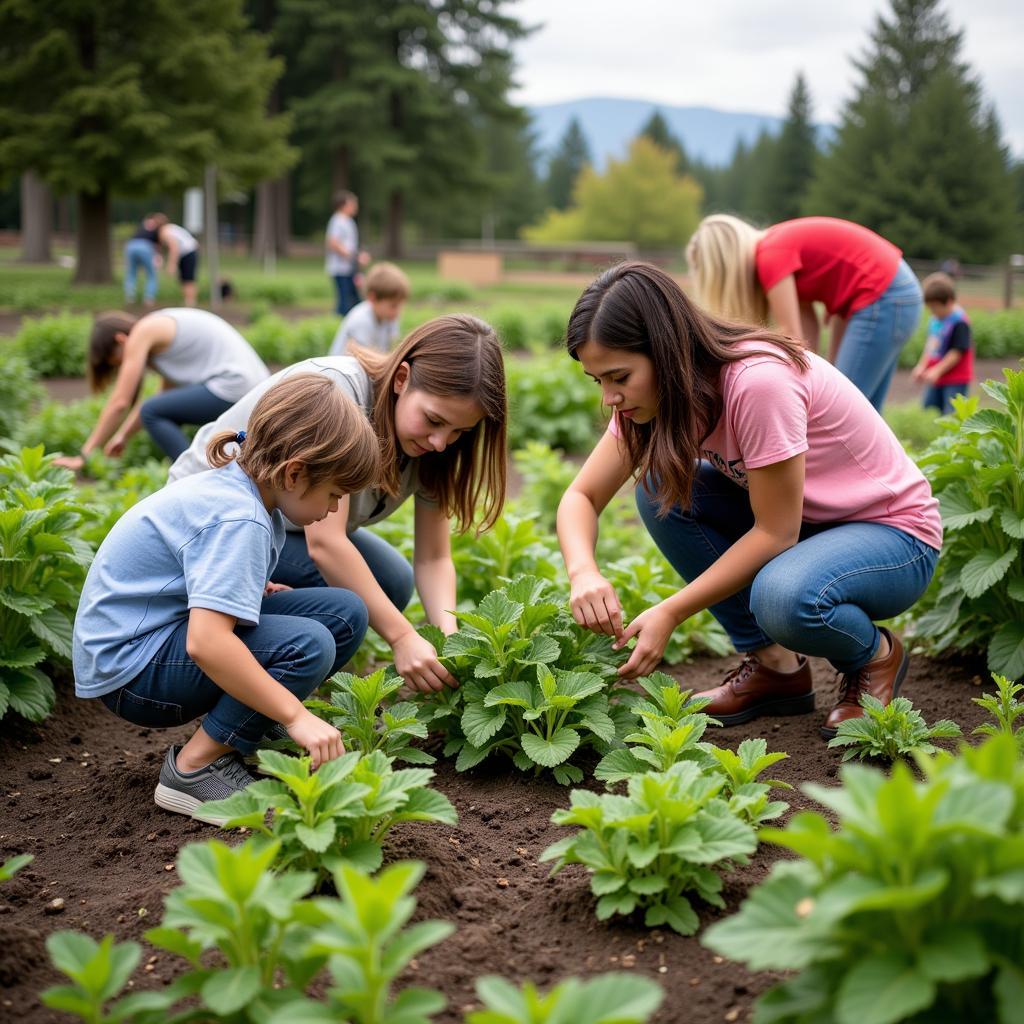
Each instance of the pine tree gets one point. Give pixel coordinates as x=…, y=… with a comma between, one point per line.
x=787, y=177
x=657, y=130
x=103, y=97
x=917, y=157
x=571, y=155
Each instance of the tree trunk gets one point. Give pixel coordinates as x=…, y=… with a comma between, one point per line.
x=93, y=264
x=393, y=236
x=36, y=219
x=283, y=214
x=264, y=227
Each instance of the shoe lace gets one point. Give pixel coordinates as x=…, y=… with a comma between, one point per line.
x=742, y=671
x=851, y=685
x=235, y=772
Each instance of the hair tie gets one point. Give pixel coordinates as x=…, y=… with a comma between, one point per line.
x=240, y=437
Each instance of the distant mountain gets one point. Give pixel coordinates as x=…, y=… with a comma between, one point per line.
x=609, y=125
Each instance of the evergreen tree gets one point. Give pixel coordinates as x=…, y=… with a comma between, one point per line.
x=571, y=155
x=917, y=157
x=657, y=130
x=786, y=179
x=103, y=97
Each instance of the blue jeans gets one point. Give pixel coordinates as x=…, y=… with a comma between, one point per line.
x=347, y=293
x=303, y=637
x=940, y=396
x=820, y=597
x=875, y=335
x=139, y=254
x=163, y=414
x=390, y=569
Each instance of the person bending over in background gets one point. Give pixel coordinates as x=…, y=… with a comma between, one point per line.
x=868, y=290
x=206, y=365
x=178, y=619
x=766, y=479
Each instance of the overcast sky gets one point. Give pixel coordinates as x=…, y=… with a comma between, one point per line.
x=743, y=54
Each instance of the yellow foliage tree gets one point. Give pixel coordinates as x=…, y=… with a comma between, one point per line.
x=641, y=199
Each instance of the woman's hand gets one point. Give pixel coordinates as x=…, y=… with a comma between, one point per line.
x=320, y=738
x=416, y=662
x=75, y=462
x=594, y=604
x=652, y=629
x=114, y=447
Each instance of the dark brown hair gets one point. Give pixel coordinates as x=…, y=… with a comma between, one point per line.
x=639, y=308
x=304, y=418
x=939, y=288
x=449, y=355
x=102, y=343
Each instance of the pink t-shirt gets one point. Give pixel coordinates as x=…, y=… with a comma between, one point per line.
x=856, y=470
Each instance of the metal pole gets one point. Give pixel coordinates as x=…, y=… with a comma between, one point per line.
x=210, y=234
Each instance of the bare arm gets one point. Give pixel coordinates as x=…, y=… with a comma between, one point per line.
x=341, y=565
x=784, y=306
x=214, y=646
x=933, y=374
x=837, y=329
x=776, y=498
x=593, y=599
x=433, y=567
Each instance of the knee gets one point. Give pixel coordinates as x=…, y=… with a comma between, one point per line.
x=781, y=603
x=149, y=414
x=314, y=648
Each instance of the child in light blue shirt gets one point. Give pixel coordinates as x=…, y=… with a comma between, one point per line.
x=178, y=619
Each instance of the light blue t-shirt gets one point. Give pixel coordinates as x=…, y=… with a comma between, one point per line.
x=204, y=542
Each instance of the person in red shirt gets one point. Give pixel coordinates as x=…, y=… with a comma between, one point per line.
x=870, y=294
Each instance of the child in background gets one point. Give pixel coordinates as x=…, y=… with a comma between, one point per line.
x=178, y=619
x=373, y=323
x=946, y=366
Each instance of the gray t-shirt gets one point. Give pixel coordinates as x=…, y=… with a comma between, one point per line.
x=366, y=507
x=208, y=350
x=362, y=326
x=342, y=228
x=202, y=543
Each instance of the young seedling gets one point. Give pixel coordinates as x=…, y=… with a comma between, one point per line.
x=339, y=813
x=890, y=731
x=13, y=865
x=607, y=999
x=655, y=847
x=1005, y=708
x=359, y=708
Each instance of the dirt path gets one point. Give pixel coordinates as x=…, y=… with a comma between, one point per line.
x=76, y=792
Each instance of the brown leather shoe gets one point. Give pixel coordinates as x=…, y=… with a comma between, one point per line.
x=882, y=678
x=754, y=689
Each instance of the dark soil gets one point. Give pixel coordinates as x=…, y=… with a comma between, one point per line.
x=76, y=792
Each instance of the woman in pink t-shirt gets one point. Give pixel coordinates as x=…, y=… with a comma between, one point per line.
x=767, y=480
x=870, y=294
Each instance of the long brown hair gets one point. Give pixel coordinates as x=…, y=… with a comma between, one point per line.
x=639, y=308
x=102, y=343
x=449, y=355
x=304, y=418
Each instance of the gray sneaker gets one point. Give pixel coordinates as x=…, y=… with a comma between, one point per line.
x=186, y=792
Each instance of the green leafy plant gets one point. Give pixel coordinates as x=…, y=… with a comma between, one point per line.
x=1005, y=708
x=656, y=846
x=339, y=813
x=976, y=599
x=546, y=474
x=359, y=708
x=607, y=999
x=55, y=345
x=908, y=908
x=19, y=390
x=515, y=697
x=552, y=401
x=741, y=769
x=42, y=568
x=111, y=498
x=13, y=865
x=890, y=731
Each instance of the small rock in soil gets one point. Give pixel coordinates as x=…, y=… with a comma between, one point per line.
x=55, y=906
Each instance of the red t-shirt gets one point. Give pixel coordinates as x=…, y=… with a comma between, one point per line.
x=843, y=265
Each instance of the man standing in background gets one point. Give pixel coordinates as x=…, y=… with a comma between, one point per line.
x=343, y=255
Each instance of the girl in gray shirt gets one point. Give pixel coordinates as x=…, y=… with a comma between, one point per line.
x=206, y=366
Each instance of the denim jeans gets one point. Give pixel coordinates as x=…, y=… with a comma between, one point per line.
x=163, y=414
x=875, y=335
x=940, y=396
x=390, y=568
x=819, y=597
x=303, y=637
x=139, y=255
x=346, y=292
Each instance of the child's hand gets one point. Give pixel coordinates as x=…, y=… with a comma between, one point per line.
x=75, y=462
x=275, y=588
x=930, y=376
x=917, y=373
x=318, y=737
